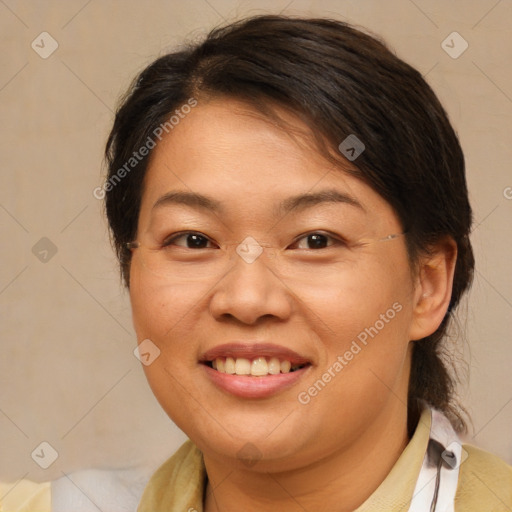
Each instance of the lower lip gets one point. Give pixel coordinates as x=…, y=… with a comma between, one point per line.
x=245, y=386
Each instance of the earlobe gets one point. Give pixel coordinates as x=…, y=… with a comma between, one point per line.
x=433, y=288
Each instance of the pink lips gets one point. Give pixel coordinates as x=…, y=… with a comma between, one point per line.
x=245, y=386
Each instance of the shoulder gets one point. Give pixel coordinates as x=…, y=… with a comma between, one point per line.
x=185, y=462
x=25, y=496
x=88, y=490
x=178, y=484
x=485, y=482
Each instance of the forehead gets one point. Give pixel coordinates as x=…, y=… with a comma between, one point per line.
x=226, y=149
x=229, y=136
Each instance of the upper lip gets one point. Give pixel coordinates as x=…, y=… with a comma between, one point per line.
x=252, y=351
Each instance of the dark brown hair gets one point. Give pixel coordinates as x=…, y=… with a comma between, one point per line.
x=340, y=81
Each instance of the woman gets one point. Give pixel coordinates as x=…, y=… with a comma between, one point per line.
x=289, y=207
x=295, y=245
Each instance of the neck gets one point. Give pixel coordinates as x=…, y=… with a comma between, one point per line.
x=342, y=481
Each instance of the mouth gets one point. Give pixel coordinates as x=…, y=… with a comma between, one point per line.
x=253, y=370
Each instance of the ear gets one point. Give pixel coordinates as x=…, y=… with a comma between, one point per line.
x=433, y=289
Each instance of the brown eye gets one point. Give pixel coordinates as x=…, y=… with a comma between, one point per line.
x=316, y=241
x=189, y=240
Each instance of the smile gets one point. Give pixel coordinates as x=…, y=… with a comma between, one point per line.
x=253, y=370
x=258, y=367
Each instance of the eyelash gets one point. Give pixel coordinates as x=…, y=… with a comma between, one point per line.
x=336, y=239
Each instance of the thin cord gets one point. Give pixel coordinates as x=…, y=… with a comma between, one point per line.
x=436, y=490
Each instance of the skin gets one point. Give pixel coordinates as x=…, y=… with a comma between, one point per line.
x=333, y=452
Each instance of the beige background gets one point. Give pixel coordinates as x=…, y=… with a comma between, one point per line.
x=67, y=371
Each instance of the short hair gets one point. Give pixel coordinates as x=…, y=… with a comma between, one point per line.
x=340, y=81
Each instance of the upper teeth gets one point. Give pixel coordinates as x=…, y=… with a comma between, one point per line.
x=258, y=367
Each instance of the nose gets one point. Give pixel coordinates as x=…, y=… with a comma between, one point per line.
x=250, y=292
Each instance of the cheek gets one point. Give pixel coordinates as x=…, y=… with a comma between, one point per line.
x=365, y=319
x=166, y=315
x=358, y=296
x=364, y=322
x=158, y=308
x=363, y=366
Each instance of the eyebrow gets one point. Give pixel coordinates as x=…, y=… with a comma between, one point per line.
x=308, y=200
x=298, y=202
x=189, y=199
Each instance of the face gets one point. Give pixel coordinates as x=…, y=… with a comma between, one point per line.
x=312, y=289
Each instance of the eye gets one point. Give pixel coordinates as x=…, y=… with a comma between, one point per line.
x=195, y=240
x=317, y=241
x=189, y=240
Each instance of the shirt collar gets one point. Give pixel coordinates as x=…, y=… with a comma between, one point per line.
x=397, y=489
